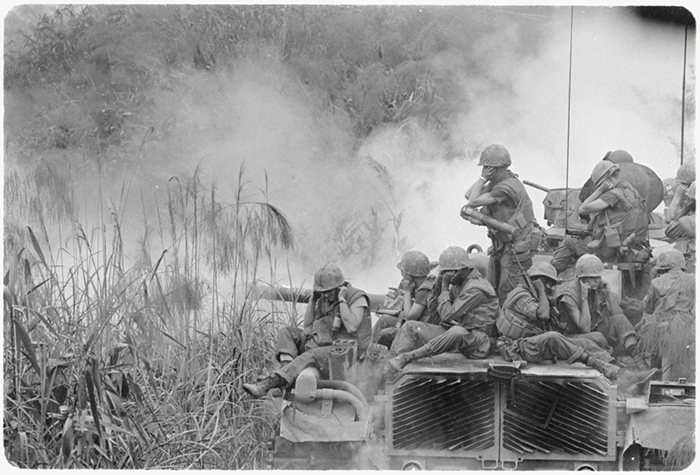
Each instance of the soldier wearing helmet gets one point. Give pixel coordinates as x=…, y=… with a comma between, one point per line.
x=416, y=303
x=467, y=307
x=681, y=215
x=667, y=331
x=617, y=215
x=589, y=309
x=502, y=196
x=335, y=311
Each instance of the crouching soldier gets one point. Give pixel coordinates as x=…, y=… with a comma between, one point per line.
x=467, y=306
x=335, y=311
x=417, y=288
x=667, y=330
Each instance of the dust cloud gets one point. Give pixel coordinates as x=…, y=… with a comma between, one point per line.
x=301, y=155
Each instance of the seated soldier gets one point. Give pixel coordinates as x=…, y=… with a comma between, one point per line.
x=417, y=287
x=523, y=323
x=335, y=311
x=467, y=307
x=617, y=215
x=590, y=310
x=681, y=215
x=667, y=330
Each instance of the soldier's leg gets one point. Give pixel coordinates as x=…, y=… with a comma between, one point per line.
x=593, y=349
x=475, y=344
x=386, y=337
x=290, y=342
x=316, y=357
x=384, y=322
x=569, y=250
x=620, y=334
x=449, y=341
x=512, y=266
x=413, y=335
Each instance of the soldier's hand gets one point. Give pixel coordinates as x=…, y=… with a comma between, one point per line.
x=408, y=285
x=606, y=186
x=342, y=292
x=539, y=285
x=585, y=287
x=447, y=278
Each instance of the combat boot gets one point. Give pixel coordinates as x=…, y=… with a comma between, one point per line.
x=260, y=389
x=394, y=365
x=610, y=371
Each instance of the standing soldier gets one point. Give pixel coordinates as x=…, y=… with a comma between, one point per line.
x=467, y=306
x=681, y=215
x=335, y=311
x=417, y=287
x=503, y=197
x=668, y=327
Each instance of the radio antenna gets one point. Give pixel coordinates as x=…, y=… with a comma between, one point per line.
x=568, y=122
x=685, y=55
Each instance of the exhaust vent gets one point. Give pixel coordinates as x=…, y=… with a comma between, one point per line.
x=547, y=417
x=443, y=414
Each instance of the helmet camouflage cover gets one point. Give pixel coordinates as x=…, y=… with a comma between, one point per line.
x=670, y=259
x=328, y=277
x=589, y=265
x=686, y=173
x=454, y=258
x=543, y=269
x=414, y=263
x=602, y=171
x=495, y=155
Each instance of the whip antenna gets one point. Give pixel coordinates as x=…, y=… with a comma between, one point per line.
x=568, y=124
x=685, y=55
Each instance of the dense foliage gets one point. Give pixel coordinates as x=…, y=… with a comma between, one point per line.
x=112, y=362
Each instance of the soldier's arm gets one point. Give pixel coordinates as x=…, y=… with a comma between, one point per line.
x=580, y=317
x=310, y=313
x=465, y=302
x=352, y=315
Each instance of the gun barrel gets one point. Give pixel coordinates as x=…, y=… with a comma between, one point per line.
x=535, y=185
x=299, y=295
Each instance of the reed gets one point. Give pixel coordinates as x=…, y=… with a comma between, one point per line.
x=111, y=364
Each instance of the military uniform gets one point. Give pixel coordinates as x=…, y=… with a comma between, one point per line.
x=625, y=213
x=386, y=328
x=609, y=329
x=668, y=327
x=311, y=347
x=510, y=256
x=471, y=309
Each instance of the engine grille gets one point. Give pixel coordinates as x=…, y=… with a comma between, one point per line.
x=547, y=417
x=443, y=414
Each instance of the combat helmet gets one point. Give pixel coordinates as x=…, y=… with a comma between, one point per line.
x=602, y=171
x=619, y=156
x=543, y=269
x=589, y=265
x=415, y=264
x=454, y=258
x=328, y=277
x=670, y=259
x=686, y=173
x=495, y=155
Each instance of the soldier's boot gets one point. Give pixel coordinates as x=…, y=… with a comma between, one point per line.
x=632, y=382
x=610, y=371
x=393, y=366
x=260, y=389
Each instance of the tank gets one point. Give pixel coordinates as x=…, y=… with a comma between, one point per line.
x=449, y=412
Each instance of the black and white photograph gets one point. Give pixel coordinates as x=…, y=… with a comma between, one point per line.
x=349, y=236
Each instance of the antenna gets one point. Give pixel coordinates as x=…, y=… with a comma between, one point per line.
x=568, y=123
x=685, y=55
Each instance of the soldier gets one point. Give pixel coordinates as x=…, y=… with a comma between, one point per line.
x=589, y=309
x=617, y=219
x=417, y=287
x=681, y=215
x=467, y=307
x=504, y=198
x=668, y=327
x=335, y=311
x=530, y=312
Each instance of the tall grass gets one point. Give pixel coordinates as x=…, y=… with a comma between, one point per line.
x=112, y=362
